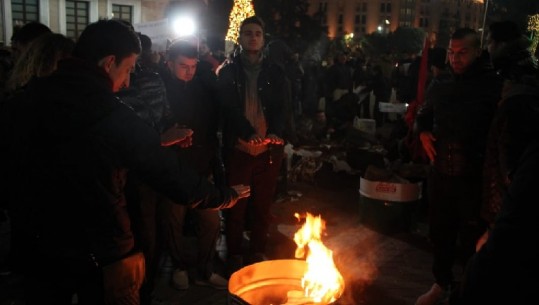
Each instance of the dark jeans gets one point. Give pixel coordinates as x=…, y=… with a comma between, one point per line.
x=207, y=230
x=143, y=207
x=261, y=175
x=454, y=220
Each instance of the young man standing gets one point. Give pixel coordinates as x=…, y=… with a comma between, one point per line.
x=74, y=145
x=192, y=96
x=254, y=93
x=453, y=125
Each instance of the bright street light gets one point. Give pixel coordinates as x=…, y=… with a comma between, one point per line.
x=184, y=26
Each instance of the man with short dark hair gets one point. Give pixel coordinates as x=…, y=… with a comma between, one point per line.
x=254, y=93
x=453, y=124
x=74, y=145
x=193, y=100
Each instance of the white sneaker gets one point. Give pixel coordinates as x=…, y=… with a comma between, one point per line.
x=435, y=296
x=180, y=279
x=215, y=280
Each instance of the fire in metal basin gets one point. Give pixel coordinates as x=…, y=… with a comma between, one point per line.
x=272, y=282
x=314, y=280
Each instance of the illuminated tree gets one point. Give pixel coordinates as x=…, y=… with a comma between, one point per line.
x=242, y=9
x=533, y=27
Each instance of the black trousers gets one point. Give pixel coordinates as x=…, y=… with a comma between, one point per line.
x=454, y=221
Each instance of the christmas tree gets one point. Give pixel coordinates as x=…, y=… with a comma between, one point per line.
x=242, y=9
x=533, y=27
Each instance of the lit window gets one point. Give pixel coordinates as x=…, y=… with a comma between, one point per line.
x=77, y=17
x=24, y=11
x=122, y=12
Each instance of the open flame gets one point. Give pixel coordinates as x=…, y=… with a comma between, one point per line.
x=322, y=282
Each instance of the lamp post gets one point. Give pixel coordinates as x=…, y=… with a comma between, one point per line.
x=484, y=22
x=185, y=28
x=533, y=27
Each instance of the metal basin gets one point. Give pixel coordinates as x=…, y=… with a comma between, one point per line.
x=266, y=283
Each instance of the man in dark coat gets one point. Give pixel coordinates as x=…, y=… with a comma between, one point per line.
x=192, y=96
x=254, y=94
x=74, y=145
x=453, y=124
x=504, y=270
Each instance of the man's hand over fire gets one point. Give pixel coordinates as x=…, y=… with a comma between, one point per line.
x=273, y=139
x=177, y=135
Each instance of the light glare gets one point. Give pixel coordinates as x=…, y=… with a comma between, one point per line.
x=184, y=26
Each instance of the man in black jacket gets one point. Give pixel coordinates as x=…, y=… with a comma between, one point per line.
x=75, y=144
x=192, y=96
x=453, y=125
x=255, y=93
x=504, y=270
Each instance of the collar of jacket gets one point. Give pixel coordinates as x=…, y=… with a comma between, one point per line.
x=77, y=66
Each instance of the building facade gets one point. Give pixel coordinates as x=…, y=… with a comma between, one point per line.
x=70, y=17
x=360, y=17
x=340, y=17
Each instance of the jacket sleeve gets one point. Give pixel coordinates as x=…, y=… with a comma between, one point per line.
x=279, y=102
x=138, y=146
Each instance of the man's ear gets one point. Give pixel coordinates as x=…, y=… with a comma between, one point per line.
x=107, y=62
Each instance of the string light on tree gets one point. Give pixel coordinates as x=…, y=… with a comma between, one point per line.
x=533, y=27
x=242, y=9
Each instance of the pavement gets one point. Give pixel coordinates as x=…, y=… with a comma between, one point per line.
x=382, y=264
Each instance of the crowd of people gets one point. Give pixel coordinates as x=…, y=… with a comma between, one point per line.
x=110, y=152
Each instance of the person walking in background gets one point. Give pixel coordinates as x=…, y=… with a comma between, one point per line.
x=192, y=96
x=453, y=124
x=379, y=84
x=339, y=83
x=206, y=55
x=74, y=143
x=254, y=94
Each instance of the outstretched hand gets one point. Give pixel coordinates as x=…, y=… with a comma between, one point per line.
x=269, y=139
x=177, y=135
x=243, y=191
x=273, y=139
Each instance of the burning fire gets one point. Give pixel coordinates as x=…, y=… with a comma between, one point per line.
x=322, y=282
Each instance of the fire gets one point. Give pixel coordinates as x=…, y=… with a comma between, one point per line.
x=322, y=281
